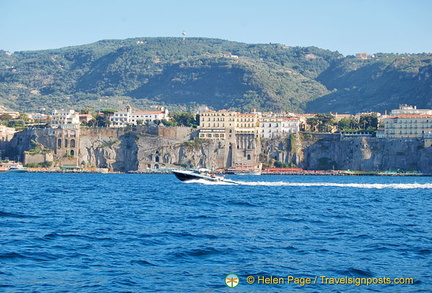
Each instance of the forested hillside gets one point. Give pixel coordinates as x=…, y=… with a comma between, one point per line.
x=220, y=74
x=380, y=83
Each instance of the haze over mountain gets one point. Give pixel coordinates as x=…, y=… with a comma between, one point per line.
x=182, y=73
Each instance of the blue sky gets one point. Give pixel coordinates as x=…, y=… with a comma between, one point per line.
x=347, y=26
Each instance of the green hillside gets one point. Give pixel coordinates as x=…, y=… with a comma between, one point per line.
x=220, y=74
x=380, y=83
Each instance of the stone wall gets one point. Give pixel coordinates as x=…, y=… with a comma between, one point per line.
x=38, y=158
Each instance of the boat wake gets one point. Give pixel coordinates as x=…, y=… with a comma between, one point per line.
x=320, y=184
x=207, y=182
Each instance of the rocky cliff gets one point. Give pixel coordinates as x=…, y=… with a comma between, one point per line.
x=141, y=149
x=333, y=151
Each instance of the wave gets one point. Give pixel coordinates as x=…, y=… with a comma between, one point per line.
x=207, y=182
x=321, y=184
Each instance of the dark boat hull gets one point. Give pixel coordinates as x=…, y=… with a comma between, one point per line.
x=186, y=177
x=189, y=175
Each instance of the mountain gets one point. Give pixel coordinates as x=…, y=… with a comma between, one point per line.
x=181, y=73
x=382, y=82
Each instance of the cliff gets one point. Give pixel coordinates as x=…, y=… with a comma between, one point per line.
x=333, y=151
x=141, y=149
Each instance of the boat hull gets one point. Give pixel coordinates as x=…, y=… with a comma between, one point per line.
x=183, y=176
x=190, y=175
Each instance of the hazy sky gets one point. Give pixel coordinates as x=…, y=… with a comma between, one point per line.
x=347, y=26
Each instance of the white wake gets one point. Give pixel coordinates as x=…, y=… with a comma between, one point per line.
x=320, y=184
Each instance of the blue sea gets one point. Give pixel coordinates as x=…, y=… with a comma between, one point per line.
x=153, y=233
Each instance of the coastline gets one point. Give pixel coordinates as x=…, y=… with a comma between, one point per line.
x=223, y=172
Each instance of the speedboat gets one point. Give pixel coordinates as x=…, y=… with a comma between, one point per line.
x=197, y=174
x=17, y=169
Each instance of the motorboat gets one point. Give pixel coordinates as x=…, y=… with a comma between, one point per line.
x=17, y=168
x=200, y=174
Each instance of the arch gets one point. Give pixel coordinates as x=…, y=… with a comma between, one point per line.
x=66, y=143
x=248, y=156
x=72, y=143
x=72, y=153
x=59, y=142
x=157, y=159
x=156, y=166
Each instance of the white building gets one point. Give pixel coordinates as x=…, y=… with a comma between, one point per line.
x=410, y=110
x=6, y=133
x=273, y=127
x=129, y=117
x=407, y=126
x=407, y=122
x=65, y=119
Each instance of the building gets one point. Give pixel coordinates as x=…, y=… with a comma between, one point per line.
x=37, y=116
x=13, y=114
x=407, y=122
x=409, y=110
x=248, y=123
x=362, y=56
x=407, y=126
x=225, y=124
x=129, y=117
x=238, y=132
x=6, y=133
x=273, y=127
x=85, y=118
x=217, y=125
x=65, y=119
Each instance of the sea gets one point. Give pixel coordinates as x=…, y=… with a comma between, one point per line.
x=153, y=233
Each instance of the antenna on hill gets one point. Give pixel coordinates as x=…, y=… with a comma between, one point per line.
x=184, y=35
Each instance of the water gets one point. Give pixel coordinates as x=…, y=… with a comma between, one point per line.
x=148, y=233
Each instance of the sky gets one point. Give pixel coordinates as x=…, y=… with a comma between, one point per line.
x=346, y=26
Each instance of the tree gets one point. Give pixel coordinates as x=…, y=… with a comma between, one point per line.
x=23, y=116
x=5, y=117
x=348, y=123
x=321, y=123
x=369, y=121
x=108, y=112
x=185, y=119
x=103, y=121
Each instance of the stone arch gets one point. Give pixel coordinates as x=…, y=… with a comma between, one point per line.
x=59, y=142
x=72, y=143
